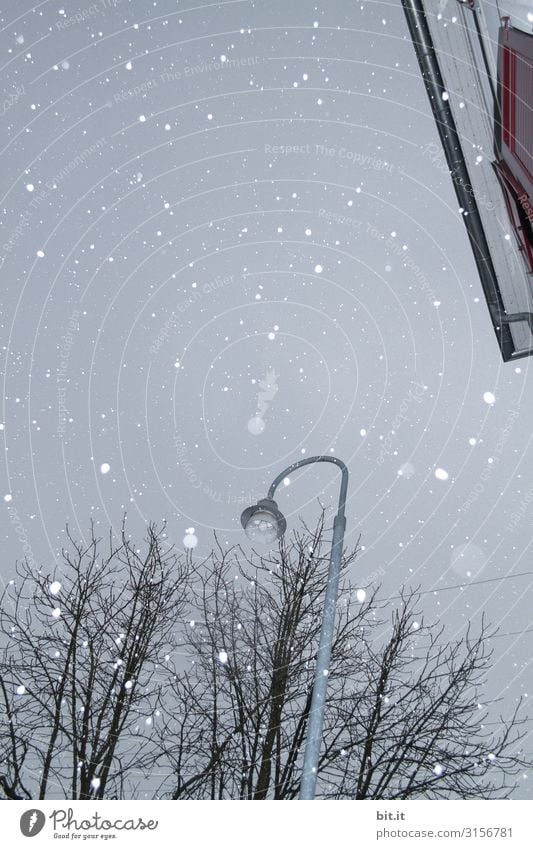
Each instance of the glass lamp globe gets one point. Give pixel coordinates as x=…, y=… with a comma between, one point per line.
x=262, y=527
x=263, y=523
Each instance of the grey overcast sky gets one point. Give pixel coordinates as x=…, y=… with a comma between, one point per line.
x=224, y=248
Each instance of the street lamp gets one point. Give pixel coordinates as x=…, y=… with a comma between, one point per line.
x=264, y=523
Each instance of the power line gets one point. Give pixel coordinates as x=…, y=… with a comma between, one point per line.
x=464, y=586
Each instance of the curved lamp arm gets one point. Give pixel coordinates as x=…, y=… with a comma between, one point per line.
x=319, y=459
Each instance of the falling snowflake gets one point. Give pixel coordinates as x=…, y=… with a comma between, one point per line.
x=190, y=540
x=105, y=468
x=223, y=656
x=489, y=398
x=441, y=474
x=360, y=596
x=406, y=471
x=54, y=587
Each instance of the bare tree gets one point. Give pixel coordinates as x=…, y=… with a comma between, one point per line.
x=139, y=674
x=417, y=727
x=79, y=667
x=403, y=718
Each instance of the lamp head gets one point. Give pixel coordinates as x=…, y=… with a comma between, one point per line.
x=263, y=523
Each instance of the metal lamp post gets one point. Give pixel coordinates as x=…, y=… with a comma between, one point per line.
x=264, y=523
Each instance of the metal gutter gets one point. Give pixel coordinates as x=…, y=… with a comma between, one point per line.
x=451, y=143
